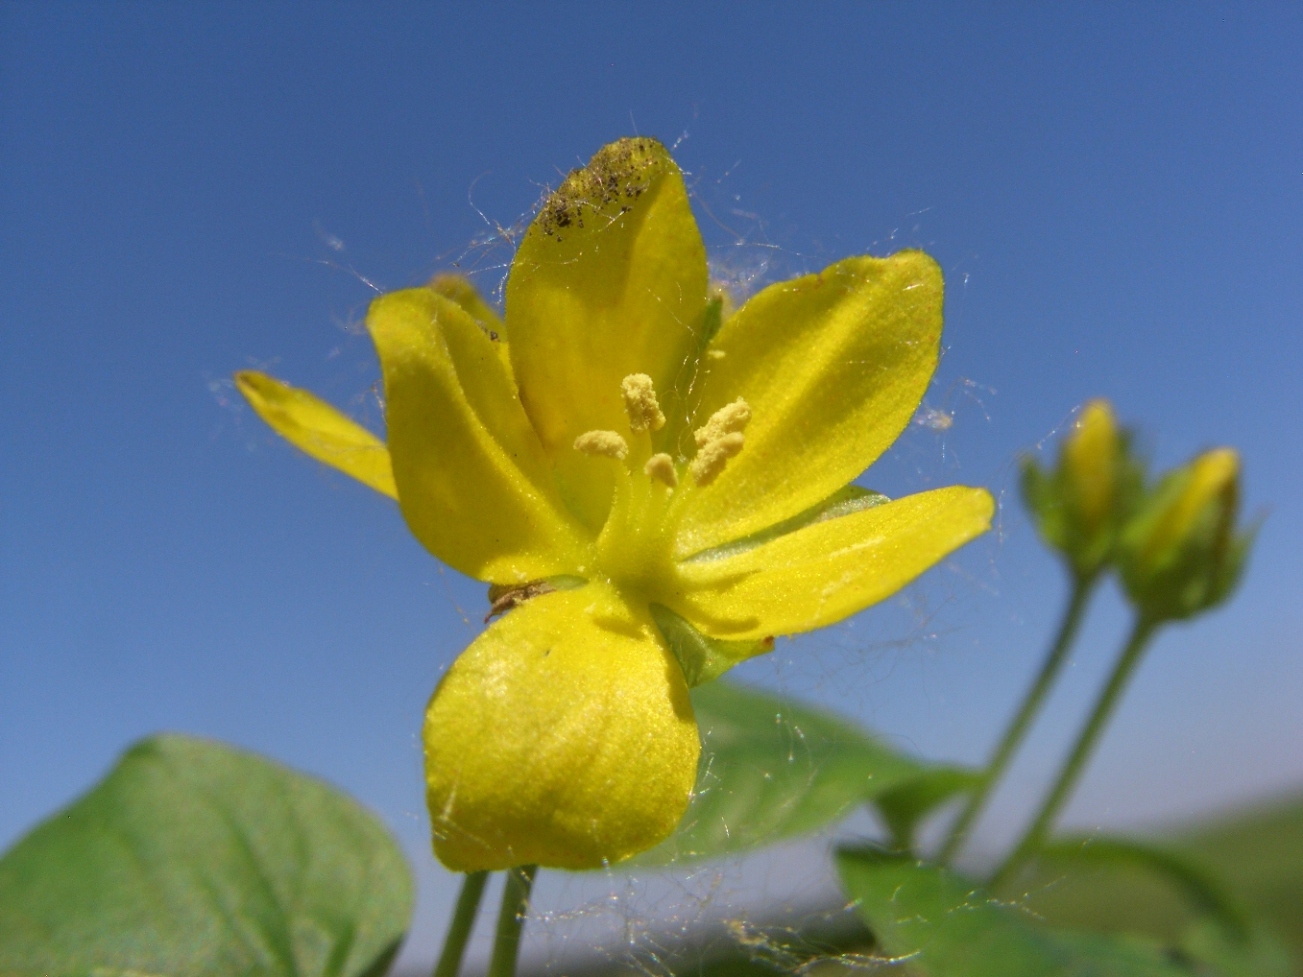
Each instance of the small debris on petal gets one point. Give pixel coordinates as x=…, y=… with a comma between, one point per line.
x=503, y=597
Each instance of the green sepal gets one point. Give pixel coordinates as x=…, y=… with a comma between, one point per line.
x=703, y=659
x=711, y=319
x=193, y=858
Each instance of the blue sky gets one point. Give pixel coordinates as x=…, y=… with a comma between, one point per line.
x=1115, y=193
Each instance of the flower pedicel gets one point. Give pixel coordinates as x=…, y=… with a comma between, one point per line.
x=652, y=493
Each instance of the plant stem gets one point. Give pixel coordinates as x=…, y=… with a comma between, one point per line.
x=511, y=918
x=1082, y=587
x=463, y=920
x=1072, y=769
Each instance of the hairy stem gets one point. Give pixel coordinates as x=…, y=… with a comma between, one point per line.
x=1075, y=765
x=511, y=919
x=463, y=920
x=1082, y=587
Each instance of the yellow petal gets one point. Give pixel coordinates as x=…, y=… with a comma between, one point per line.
x=563, y=736
x=317, y=429
x=832, y=366
x=609, y=281
x=827, y=571
x=460, y=290
x=473, y=482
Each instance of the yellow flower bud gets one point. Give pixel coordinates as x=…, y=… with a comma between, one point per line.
x=1090, y=463
x=1079, y=506
x=1181, y=554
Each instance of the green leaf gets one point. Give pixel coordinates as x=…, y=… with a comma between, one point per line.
x=771, y=769
x=193, y=859
x=947, y=927
x=904, y=806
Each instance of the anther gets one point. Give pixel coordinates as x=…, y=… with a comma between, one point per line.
x=605, y=444
x=660, y=468
x=712, y=457
x=718, y=440
x=640, y=403
x=729, y=419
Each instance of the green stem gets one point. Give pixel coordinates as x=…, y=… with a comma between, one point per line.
x=463, y=920
x=1074, y=767
x=511, y=918
x=1082, y=588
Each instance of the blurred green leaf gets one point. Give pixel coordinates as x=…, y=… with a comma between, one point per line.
x=1256, y=856
x=1260, y=954
x=905, y=805
x=771, y=769
x=1259, y=853
x=192, y=858
x=946, y=927
x=1204, y=893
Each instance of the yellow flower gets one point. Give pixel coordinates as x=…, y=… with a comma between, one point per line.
x=656, y=489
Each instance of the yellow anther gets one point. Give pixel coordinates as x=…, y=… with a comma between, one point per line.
x=715, y=354
x=606, y=444
x=729, y=419
x=718, y=440
x=713, y=456
x=661, y=469
x=640, y=403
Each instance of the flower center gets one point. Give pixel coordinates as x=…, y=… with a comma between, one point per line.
x=635, y=545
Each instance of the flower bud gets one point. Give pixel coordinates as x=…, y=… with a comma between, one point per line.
x=1079, y=506
x=1181, y=553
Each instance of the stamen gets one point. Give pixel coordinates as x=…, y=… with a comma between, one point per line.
x=640, y=403
x=718, y=440
x=729, y=419
x=712, y=457
x=606, y=444
x=661, y=469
